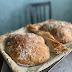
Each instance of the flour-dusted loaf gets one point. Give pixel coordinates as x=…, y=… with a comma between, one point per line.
x=27, y=49
x=61, y=30
x=46, y=30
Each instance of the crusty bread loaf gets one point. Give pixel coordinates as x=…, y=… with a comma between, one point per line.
x=61, y=30
x=53, y=44
x=27, y=49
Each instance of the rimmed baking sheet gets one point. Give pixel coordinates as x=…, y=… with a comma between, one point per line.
x=16, y=68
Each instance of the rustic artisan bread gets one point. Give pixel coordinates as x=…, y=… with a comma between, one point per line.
x=27, y=49
x=53, y=44
x=61, y=30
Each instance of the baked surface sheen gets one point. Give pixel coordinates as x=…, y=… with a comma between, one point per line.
x=27, y=49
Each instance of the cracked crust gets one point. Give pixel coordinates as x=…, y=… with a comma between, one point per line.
x=27, y=49
x=61, y=30
x=54, y=45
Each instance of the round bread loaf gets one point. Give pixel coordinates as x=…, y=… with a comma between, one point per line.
x=27, y=49
x=61, y=30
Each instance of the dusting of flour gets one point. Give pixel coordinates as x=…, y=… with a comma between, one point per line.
x=31, y=41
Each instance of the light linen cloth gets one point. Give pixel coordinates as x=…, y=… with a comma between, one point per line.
x=64, y=66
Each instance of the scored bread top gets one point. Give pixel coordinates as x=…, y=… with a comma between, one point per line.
x=27, y=49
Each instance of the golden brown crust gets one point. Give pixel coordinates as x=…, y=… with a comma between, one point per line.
x=61, y=30
x=33, y=27
x=27, y=49
x=53, y=44
x=47, y=34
